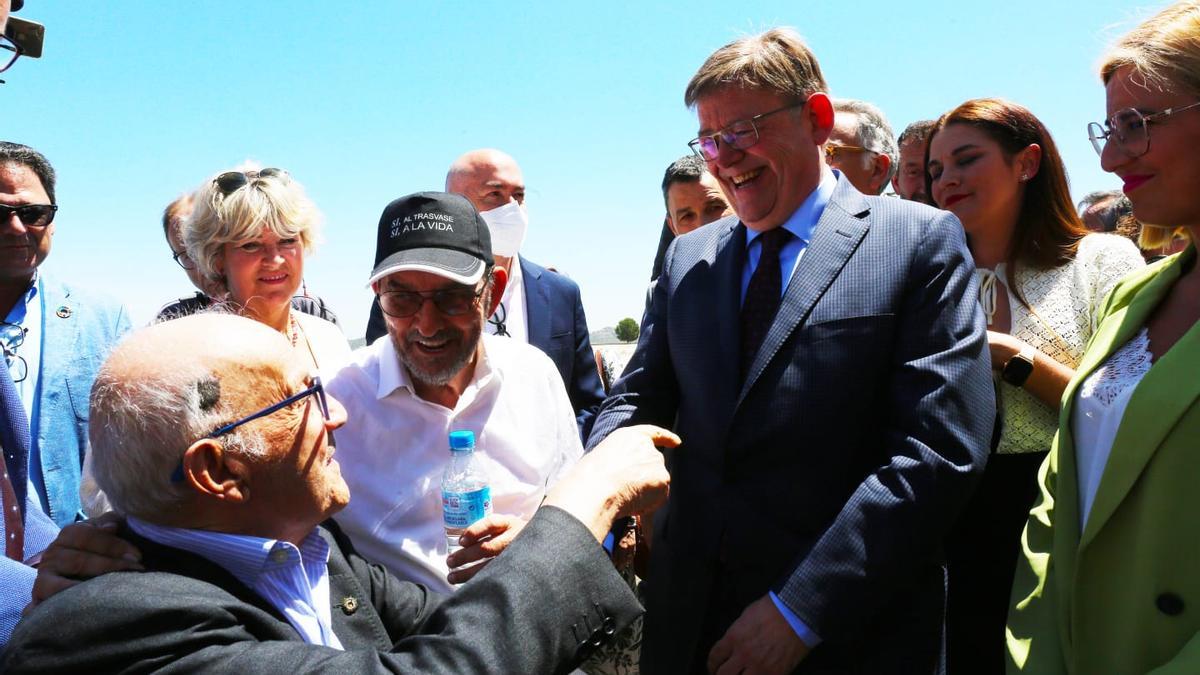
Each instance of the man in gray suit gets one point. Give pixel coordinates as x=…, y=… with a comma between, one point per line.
x=218, y=447
x=824, y=360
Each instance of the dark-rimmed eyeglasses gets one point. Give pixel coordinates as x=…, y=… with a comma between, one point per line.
x=740, y=135
x=182, y=259
x=317, y=390
x=30, y=215
x=12, y=337
x=232, y=181
x=449, y=301
x=1130, y=128
x=832, y=150
x=9, y=52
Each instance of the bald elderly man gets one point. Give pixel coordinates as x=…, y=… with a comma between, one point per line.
x=218, y=447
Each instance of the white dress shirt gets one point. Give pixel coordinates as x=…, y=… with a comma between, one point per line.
x=395, y=447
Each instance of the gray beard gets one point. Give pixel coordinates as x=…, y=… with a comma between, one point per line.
x=440, y=377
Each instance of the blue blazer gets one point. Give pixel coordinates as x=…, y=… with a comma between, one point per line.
x=558, y=327
x=16, y=578
x=830, y=475
x=78, y=331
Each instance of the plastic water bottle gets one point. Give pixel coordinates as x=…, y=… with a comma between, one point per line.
x=466, y=495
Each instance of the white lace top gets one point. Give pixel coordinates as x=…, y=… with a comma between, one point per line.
x=1064, y=303
x=1100, y=404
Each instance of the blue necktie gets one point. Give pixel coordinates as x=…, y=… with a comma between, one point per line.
x=14, y=436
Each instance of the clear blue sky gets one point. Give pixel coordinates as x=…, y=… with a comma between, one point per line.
x=138, y=101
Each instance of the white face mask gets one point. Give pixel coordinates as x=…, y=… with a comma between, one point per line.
x=507, y=225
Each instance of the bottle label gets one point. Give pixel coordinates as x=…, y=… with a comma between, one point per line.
x=460, y=509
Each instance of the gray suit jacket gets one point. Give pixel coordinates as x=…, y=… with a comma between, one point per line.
x=189, y=615
x=831, y=473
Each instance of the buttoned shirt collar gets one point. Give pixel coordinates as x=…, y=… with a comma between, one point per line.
x=804, y=220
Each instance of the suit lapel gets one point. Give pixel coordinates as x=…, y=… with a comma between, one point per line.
x=838, y=233
x=720, y=293
x=537, y=307
x=1159, y=400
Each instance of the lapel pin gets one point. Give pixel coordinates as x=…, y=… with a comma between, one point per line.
x=63, y=312
x=349, y=605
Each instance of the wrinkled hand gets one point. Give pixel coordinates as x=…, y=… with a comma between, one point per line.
x=1002, y=347
x=623, y=476
x=482, y=541
x=82, y=551
x=760, y=641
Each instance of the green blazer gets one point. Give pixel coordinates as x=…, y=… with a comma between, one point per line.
x=1123, y=595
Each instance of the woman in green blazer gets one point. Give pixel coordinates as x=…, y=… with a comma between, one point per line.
x=1109, y=576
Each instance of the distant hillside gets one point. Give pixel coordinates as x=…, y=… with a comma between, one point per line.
x=604, y=336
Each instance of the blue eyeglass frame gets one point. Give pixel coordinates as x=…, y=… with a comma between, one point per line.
x=316, y=389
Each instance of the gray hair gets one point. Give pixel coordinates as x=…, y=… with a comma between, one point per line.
x=140, y=427
x=777, y=61
x=917, y=132
x=15, y=153
x=874, y=132
x=686, y=169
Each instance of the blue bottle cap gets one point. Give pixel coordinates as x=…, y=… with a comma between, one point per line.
x=462, y=440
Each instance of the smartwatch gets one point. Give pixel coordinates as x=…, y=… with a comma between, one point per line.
x=1018, y=369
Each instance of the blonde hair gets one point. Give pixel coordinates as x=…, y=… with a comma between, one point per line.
x=276, y=203
x=1164, y=52
x=777, y=61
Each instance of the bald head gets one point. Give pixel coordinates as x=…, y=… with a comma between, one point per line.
x=488, y=178
x=169, y=384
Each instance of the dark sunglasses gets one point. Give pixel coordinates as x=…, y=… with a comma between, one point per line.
x=30, y=215
x=449, y=301
x=315, y=390
x=232, y=181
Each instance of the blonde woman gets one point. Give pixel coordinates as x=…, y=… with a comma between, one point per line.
x=250, y=232
x=1107, y=580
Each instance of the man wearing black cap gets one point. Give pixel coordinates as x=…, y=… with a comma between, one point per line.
x=437, y=283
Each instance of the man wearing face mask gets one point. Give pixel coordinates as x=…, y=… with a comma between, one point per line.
x=539, y=306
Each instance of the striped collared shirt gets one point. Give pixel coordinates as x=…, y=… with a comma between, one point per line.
x=293, y=580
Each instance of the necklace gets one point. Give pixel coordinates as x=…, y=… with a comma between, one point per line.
x=293, y=330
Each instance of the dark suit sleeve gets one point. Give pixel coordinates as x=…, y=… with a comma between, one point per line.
x=938, y=416
x=647, y=392
x=586, y=391
x=505, y=620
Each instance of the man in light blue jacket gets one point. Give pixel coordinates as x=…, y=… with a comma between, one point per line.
x=54, y=336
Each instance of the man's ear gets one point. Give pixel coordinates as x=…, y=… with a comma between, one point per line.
x=670, y=222
x=499, y=283
x=213, y=472
x=879, y=171
x=820, y=117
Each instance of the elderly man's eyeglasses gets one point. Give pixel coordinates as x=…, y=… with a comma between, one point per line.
x=739, y=135
x=316, y=390
x=30, y=215
x=9, y=52
x=1130, y=128
x=449, y=301
x=12, y=337
x=232, y=181
x=832, y=150
x=182, y=259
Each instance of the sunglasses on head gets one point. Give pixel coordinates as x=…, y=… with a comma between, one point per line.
x=30, y=215
x=232, y=181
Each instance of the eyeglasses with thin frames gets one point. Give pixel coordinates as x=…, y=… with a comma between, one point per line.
x=832, y=150
x=1131, y=129
x=317, y=390
x=182, y=259
x=9, y=52
x=740, y=135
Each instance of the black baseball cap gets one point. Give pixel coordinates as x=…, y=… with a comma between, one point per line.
x=435, y=232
